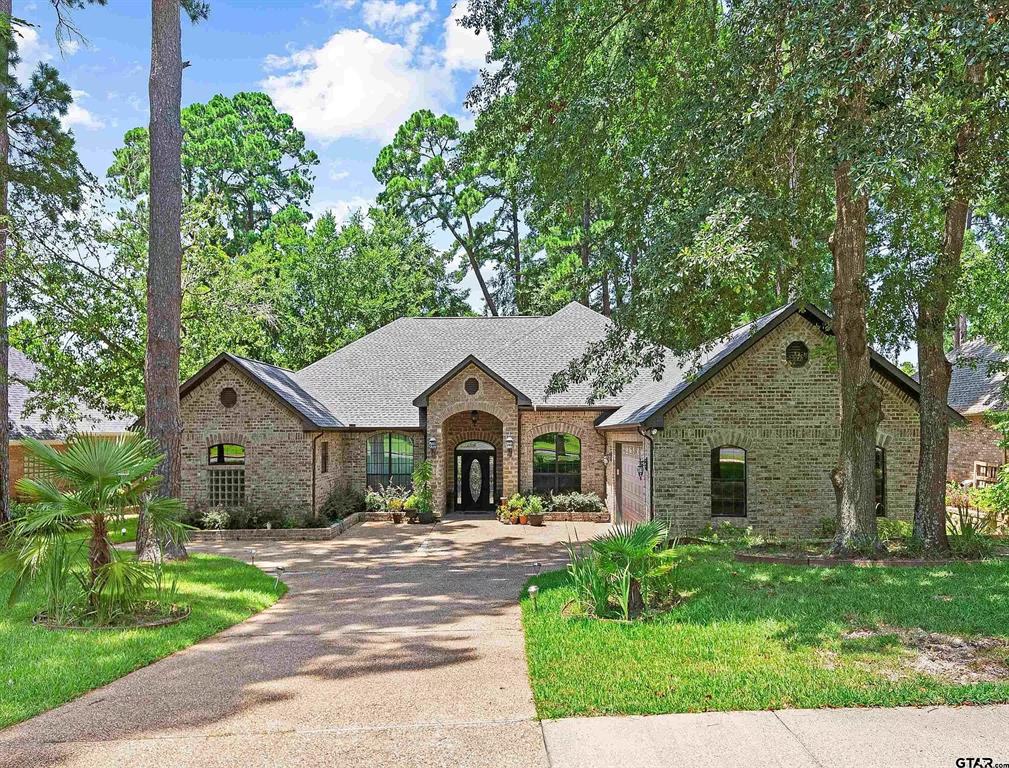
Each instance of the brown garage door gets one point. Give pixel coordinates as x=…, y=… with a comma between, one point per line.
x=632, y=491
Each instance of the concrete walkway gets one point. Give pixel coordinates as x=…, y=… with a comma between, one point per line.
x=395, y=646
x=402, y=646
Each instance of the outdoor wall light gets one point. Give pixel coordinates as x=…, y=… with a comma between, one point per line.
x=642, y=468
x=474, y=416
x=509, y=443
x=432, y=444
x=607, y=458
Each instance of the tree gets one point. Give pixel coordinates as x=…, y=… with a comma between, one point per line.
x=431, y=178
x=40, y=178
x=237, y=149
x=162, y=415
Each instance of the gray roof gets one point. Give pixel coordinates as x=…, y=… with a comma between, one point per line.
x=681, y=372
x=380, y=379
x=975, y=388
x=25, y=423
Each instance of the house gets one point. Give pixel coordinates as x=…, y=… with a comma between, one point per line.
x=745, y=431
x=25, y=423
x=976, y=390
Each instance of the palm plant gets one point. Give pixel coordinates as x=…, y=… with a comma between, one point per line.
x=633, y=557
x=63, y=535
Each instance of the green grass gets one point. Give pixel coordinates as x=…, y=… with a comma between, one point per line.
x=762, y=637
x=40, y=668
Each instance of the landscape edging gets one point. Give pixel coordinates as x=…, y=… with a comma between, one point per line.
x=278, y=534
x=824, y=561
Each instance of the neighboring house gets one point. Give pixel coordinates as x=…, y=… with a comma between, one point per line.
x=22, y=372
x=746, y=431
x=976, y=391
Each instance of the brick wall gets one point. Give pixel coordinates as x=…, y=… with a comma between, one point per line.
x=278, y=450
x=451, y=399
x=976, y=441
x=348, y=464
x=786, y=419
x=581, y=424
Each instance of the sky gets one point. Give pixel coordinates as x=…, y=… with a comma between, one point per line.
x=348, y=71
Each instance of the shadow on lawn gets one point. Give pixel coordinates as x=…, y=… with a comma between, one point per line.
x=381, y=599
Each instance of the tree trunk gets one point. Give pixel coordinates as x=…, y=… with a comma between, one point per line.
x=6, y=38
x=516, y=258
x=605, y=289
x=861, y=412
x=960, y=331
x=934, y=369
x=164, y=269
x=584, y=249
x=99, y=549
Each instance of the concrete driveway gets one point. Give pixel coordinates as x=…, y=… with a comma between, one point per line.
x=395, y=646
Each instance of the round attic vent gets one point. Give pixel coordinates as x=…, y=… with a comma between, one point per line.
x=228, y=397
x=472, y=386
x=797, y=354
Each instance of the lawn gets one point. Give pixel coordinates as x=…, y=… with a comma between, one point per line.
x=766, y=637
x=40, y=669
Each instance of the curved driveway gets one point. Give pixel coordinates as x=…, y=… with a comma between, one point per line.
x=396, y=645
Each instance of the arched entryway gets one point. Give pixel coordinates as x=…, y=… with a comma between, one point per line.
x=475, y=476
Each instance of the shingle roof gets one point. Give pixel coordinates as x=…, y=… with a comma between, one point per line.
x=375, y=381
x=974, y=388
x=24, y=423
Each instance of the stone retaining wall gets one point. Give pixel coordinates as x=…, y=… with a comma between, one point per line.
x=277, y=534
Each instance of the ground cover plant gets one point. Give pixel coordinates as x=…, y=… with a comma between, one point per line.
x=755, y=636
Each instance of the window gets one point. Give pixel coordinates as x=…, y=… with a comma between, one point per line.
x=324, y=459
x=557, y=463
x=227, y=475
x=880, y=482
x=225, y=453
x=728, y=481
x=390, y=461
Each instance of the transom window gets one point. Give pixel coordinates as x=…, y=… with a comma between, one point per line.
x=880, y=482
x=728, y=481
x=226, y=475
x=226, y=453
x=390, y=461
x=557, y=462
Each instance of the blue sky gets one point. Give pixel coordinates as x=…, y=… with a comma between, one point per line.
x=349, y=71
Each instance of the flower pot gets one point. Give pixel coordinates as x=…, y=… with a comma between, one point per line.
x=397, y=517
x=514, y=521
x=523, y=519
x=536, y=520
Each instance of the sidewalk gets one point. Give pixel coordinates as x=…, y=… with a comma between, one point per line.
x=800, y=738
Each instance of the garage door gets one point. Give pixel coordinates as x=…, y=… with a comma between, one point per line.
x=632, y=491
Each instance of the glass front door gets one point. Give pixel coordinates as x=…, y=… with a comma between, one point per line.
x=475, y=485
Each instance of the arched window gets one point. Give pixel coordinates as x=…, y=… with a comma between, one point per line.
x=880, y=482
x=557, y=463
x=390, y=461
x=728, y=481
x=227, y=475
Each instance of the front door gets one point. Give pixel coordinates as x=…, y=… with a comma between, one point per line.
x=474, y=480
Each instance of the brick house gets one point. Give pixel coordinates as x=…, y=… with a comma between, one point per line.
x=25, y=423
x=743, y=431
x=977, y=389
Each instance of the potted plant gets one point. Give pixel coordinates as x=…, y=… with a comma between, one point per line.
x=504, y=513
x=517, y=506
x=396, y=510
x=423, y=492
x=410, y=508
x=534, y=510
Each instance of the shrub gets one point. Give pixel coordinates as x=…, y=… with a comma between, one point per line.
x=215, y=519
x=888, y=528
x=534, y=505
x=343, y=501
x=373, y=501
x=422, y=490
x=305, y=519
x=623, y=571
x=576, y=503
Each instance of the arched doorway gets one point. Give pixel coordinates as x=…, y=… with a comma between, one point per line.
x=475, y=476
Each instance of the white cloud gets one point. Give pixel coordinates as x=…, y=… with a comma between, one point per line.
x=463, y=48
x=77, y=115
x=31, y=51
x=342, y=209
x=354, y=86
x=403, y=20
x=72, y=46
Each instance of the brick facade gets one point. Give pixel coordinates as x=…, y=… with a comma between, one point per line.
x=627, y=437
x=787, y=420
x=348, y=465
x=278, y=450
x=581, y=424
x=974, y=442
